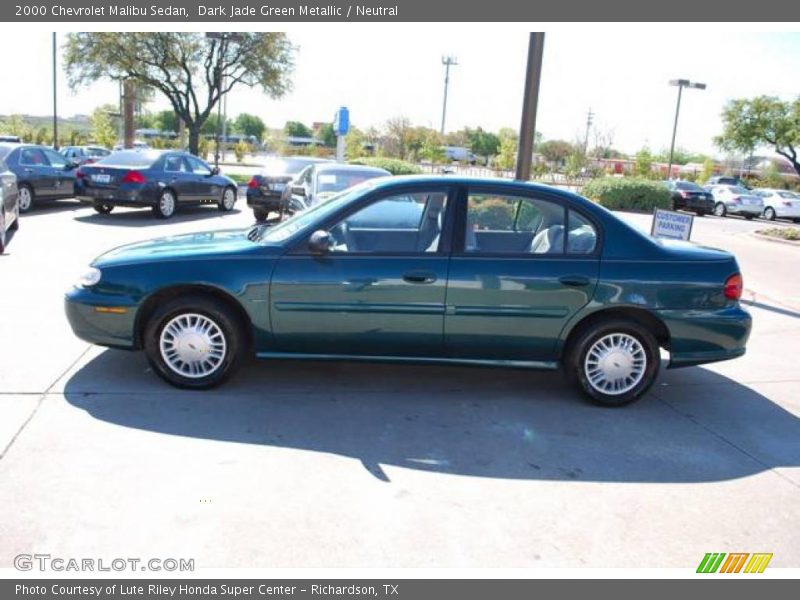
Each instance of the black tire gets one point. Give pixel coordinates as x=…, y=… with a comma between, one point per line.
x=102, y=208
x=25, y=206
x=228, y=199
x=164, y=209
x=15, y=224
x=227, y=322
x=260, y=214
x=769, y=213
x=720, y=210
x=701, y=213
x=2, y=238
x=575, y=360
x=749, y=217
x=674, y=205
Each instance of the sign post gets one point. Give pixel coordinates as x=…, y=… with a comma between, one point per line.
x=341, y=125
x=671, y=225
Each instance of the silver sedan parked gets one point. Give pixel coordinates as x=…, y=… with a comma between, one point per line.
x=780, y=204
x=735, y=200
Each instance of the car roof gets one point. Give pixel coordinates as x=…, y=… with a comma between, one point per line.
x=334, y=166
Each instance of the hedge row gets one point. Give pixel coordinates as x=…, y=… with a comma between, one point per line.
x=628, y=193
x=395, y=166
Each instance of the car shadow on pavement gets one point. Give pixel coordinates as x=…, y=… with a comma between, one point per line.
x=138, y=217
x=695, y=426
x=42, y=208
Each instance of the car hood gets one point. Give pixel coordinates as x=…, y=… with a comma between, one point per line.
x=192, y=245
x=682, y=250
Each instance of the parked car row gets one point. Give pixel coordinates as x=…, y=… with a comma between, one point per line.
x=724, y=199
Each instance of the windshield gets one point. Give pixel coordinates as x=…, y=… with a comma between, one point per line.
x=91, y=151
x=788, y=195
x=688, y=186
x=306, y=218
x=337, y=181
x=736, y=189
x=129, y=158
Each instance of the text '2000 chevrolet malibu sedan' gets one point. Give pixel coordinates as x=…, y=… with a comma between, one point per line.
x=423, y=269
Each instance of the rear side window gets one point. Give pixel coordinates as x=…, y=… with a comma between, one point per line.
x=32, y=157
x=582, y=236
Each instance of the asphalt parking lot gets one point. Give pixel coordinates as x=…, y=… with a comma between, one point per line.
x=323, y=464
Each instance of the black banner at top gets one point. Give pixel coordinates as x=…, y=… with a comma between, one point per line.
x=284, y=11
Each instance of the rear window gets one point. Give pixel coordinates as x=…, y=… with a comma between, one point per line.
x=129, y=158
x=337, y=181
x=96, y=152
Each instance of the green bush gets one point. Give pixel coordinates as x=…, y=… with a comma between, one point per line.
x=628, y=193
x=395, y=166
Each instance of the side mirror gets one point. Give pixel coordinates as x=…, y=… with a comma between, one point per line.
x=215, y=171
x=298, y=190
x=320, y=242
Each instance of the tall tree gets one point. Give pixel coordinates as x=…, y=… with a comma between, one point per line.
x=103, y=130
x=296, y=129
x=762, y=121
x=248, y=124
x=192, y=70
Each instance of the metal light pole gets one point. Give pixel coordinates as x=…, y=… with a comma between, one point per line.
x=527, y=128
x=680, y=83
x=447, y=61
x=589, y=118
x=55, y=97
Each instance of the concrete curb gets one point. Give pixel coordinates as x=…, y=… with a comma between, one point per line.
x=769, y=238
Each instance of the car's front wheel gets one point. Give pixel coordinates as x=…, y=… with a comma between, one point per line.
x=165, y=207
x=25, y=198
x=103, y=208
x=228, y=200
x=769, y=213
x=614, y=362
x=195, y=342
x=720, y=210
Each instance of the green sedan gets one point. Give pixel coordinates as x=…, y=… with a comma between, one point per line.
x=427, y=270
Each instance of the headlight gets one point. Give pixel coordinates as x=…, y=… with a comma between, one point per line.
x=90, y=277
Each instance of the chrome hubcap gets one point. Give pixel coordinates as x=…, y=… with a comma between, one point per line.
x=192, y=345
x=24, y=199
x=167, y=203
x=770, y=214
x=719, y=210
x=615, y=364
x=228, y=199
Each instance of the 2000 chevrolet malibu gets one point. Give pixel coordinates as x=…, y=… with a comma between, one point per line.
x=423, y=269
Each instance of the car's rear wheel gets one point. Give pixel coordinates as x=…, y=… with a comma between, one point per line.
x=260, y=214
x=614, y=362
x=228, y=200
x=769, y=213
x=2, y=237
x=103, y=208
x=195, y=342
x=720, y=210
x=700, y=213
x=749, y=217
x=25, y=198
x=165, y=207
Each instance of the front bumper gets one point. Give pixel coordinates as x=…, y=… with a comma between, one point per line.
x=99, y=320
x=704, y=336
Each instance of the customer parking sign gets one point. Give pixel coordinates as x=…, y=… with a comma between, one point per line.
x=671, y=225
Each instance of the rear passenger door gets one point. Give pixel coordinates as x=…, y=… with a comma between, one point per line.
x=522, y=265
x=179, y=177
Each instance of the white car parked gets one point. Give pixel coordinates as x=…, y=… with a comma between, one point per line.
x=735, y=200
x=780, y=204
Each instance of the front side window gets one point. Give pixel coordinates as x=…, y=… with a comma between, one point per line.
x=402, y=223
x=55, y=159
x=198, y=166
x=507, y=224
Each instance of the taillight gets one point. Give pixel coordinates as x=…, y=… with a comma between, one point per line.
x=80, y=174
x=133, y=177
x=253, y=183
x=684, y=194
x=733, y=287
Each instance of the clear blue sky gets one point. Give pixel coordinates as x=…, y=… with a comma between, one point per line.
x=380, y=71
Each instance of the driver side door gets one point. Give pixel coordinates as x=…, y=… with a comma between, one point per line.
x=380, y=289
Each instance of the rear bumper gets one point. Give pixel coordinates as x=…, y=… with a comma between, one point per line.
x=257, y=198
x=117, y=197
x=787, y=212
x=702, y=336
x=91, y=321
x=698, y=204
x=744, y=209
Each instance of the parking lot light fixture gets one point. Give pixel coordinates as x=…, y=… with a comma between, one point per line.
x=680, y=84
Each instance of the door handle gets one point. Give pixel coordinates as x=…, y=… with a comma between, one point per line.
x=419, y=277
x=574, y=280
x=29, y=170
